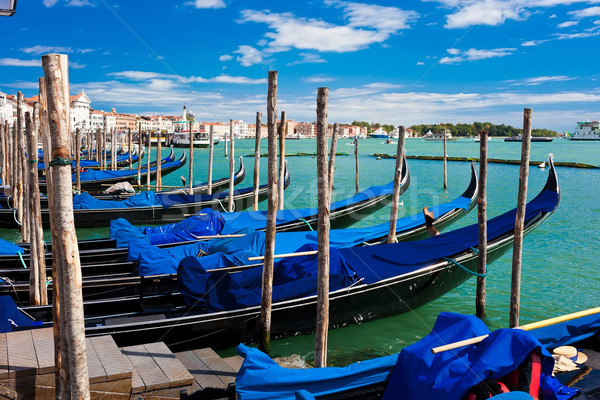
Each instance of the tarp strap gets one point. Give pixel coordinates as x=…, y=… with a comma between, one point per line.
x=22, y=261
x=15, y=217
x=221, y=204
x=465, y=268
x=303, y=220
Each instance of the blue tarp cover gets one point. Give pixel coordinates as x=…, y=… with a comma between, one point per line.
x=85, y=201
x=414, y=374
x=421, y=375
x=568, y=332
x=294, y=277
x=11, y=316
x=387, y=260
x=96, y=175
x=8, y=248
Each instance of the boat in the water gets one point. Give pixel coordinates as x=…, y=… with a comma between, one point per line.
x=527, y=362
x=439, y=136
x=139, y=258
x=201, y=140
x=533, y=139
x=587, y=130
x=222, y=307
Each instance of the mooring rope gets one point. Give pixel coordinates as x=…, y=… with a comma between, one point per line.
x=465, y=268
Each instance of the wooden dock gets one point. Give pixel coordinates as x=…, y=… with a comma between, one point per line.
x=148, y=371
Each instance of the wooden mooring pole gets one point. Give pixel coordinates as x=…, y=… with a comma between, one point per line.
x=336, y=128
x=356, y=161
x=19, y=169
x=148, y=161
x=78, y=160
x=140, y=152
x=515, y=287
x=256, y=180
x=231, y=166
x=65, y=251
x=396, y=190
x=322, y=230
x=267, y=276
x=211, y=150
x=191, y=167
x=113, y=149
x=280, y=184
x=129, y=148
x=482, y=224
x=38, y=294
x=158, y=162
x=445, y=161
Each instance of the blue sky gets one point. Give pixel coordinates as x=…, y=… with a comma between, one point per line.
x=398, y=62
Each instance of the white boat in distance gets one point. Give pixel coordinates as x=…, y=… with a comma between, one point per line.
x=182, y=139
x=588, y=130
x=439, y=136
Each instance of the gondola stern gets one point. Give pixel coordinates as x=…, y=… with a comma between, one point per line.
x=472, y=191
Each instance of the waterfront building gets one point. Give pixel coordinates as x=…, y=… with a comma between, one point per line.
x=6, y=109
x=79, y=109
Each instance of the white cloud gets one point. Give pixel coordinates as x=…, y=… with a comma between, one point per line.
x=50, y=3
x=249, y=55
x=530, y=43
x=225, y=57
x=206, y=3
x=38, y=49
x=420, y=63
x=458, y=56
x=308, y=58
x=567, y=24
x=157, y=78
x=364, y=26
x=15, y=62
x=541, y=80
x=318, y=79
x=586, y=12
x=78, y=3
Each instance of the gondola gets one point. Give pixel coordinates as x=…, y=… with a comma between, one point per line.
x=105, y=250
x=122, y=161
x=417, y=374
x=149, y=260
x=366, y=283
x=92, y=180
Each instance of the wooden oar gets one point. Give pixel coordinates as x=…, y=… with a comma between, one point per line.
x=528, y=327
x=302, y=253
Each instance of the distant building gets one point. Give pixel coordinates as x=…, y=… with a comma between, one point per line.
x=79, y=109
x=6, y=109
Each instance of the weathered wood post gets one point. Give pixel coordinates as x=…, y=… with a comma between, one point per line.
x=78, y=160
x=211, y=150
x=140, y=152
x=356, y=161
x=280, y=186
x=256, y=180
x=5, y=153
x=105, y=144
x=191, y=167
x=267, y=276
x=2, y=152
x=231, y=166
x=334, y=134
x=65, y=251
x=148, y=161
x=20, y=169
x=482, y=226
x=158, y=163
x=225, y=139
x=515, y=287
x=445, y=161
x=113, y=149
x=37, y=264
x=322, y=230
x=396, y=190
x=129, y=148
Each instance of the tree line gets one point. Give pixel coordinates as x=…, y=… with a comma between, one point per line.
x=464, y=129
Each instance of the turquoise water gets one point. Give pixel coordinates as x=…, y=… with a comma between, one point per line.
x=560, y=258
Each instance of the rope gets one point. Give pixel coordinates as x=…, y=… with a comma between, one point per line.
x=221, y=204
x=465, y=268
x=310, y=227
x=60, y=161
x=15, y=217
x=33, y=161
x=10, y=282
x=475, y=250
x=22, y=261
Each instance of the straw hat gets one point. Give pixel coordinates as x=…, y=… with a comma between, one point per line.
x=571, y=353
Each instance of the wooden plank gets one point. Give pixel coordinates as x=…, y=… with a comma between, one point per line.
x=145, y=365
x=170, y=365
x=3, y=357
x=203, y=376
x=217, y=365
x=43, y=341
x=234, y=362
x=96, y=371
x=21, y=354
x=114, y=363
